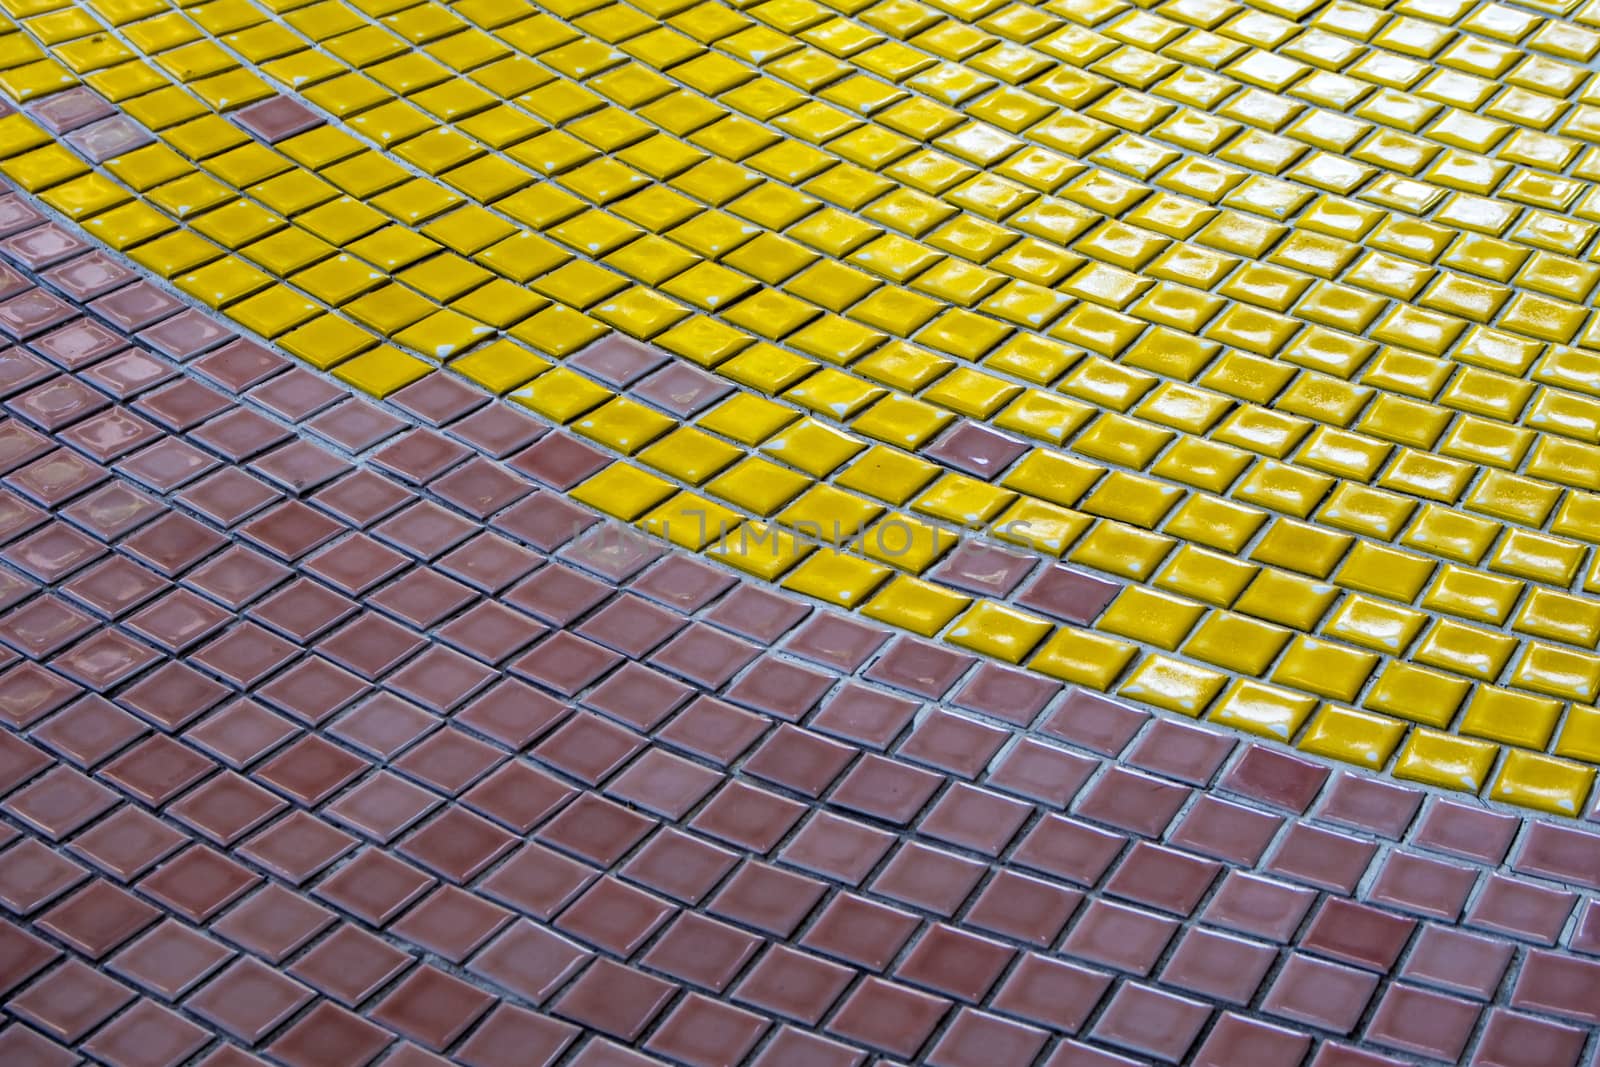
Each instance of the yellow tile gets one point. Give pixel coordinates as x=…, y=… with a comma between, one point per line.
x=911, y=604
x=758, y=486
x=623, y=425
x=1558, y=672
x=1352, y=736
x=1531, y=780
x=623, y=491
x=690, y=521
x=836, y=577
x=1082, y=658
x=1264, y=710
x=381, y=371
x=1439, y=759
x=1320, y=667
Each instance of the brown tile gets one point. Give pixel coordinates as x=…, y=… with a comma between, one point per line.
x=1226, y=831
x=112, y=510
x=198, y=883
x=682, y=583
x=1321, y=858
x=975, y=819
x=751, y=818
x=183, y=405
x=713, y=730
x=1370, y=804
x=976, y=1038
x=177, y=620
x=529, y=961
x=1275, y=778
x=22, y=955
x=923, y=668
x=557, y=594
x=1163, y=878
x=703, y=1032
x=106, y=437
x=350, y=965
x=274, y=923
x=58, y=402
x=370, y=645
x=1236, y=1039
x=490, y=632
x=297, y=846
x=513, y=1037
x=489, y=562
x=60, y=802
x=127, y=843
x=480, y=488
x=329, y=1036
x=1023, y=908
x=156, y=770
x=1521, y=909
x=1219, y=966
x=169, y=960
x=767, y=899
x=382, y=806
x=229, y=496
x=705, y=656
x=1093, y=722
x=1559, y=985
x=172, y=695
x=310, y=770
x=1355, y=933
x=883, y=789
x=87, y=276
x=663, y=784
x=1458, y=961
x=537, y=881
x=248, y=1000
x=97, y=918
x=383, y=725
x=440, y=678
x=559, y=460
x=1422, y=1022
x=59, y=476
x=497, y=431
x=19, y=1044
x=277, y=118
x=798, y=759
x=362, y=498
x=511, y=713
x=1424, y=885
x=1151, y=1022
x=451, y=923
x=1068, y=594
x=53, y=552
x=1511, y=1039
x=955, y=963
x=1327, y=995
x=293, y=395
x=796, y=1048
x=1563, y=853
x=448, y=760
x=596, y=830
x=1114, y=935
x=793, y=984
x=679, y=866
x=860, y=932
x=953, y=743
x=374, y=886
x=1132, y=802
x=701, y=951
x=565, y=663
x=643, y=698
x=837, y=848
x=302, y=610
x=70, y=1001
x=457, y=845
x=89, y=731
x=1066, y=848
x=888, y=1017
x=245, y=654
x=1041, y=772
x=613, y=916
x=1255, y=905
x=32, y=875
x=239, y=434
x=545, y=520
x=420, y=455
x=290, y=530
x=613, y=999
x=226, y=807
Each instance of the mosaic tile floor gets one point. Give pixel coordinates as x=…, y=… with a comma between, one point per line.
x=794, y=534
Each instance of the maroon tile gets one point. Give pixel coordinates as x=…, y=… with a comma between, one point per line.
x=490, y=631
x=923, y=668
x=1321, y=858
x=953, y=743
x=537, y=881
x=240, y=434
x=955, y=963
x=127, y=843
x=1370, y=804
x=679, y=866
x=172, y=695
x=44, y=625
x=182, y=405
x=170, y=960
x=489, y=562
x=976, y=1038
x=1226, y=831
x=245, y=654
x=497, y=431
x=1559, y=985
x=1133, y=802
x=1470, y=832
x=1275, y=778
x=1093, y=722
x=22, y=955
x=374, y=886
x=796, y=1048
x=1511, y=1039
x=350, y=965
x=705, y=656
x=69, y=110
x=751, y=818
x=1067, y=594
x=1422, y=1022
x=529, y=961
x=870, y=717
x=198, y=883
x=613, y=916
x=242, y=733
x=1423, y=885
x=362, y=498
x=290, y=530
x=860, y=932
x=1163, y=878
x=836, y=641
x=1218, y=965
x=112, y=510
x=518, y=796
x=300, y=466
x=277, y=119
x=1118, y=936
x=355, y=425
x=613, y=552
x=166, y=465
x=707, y=728
x=546, y=520
x=36, y=311
x=383, y=725
x=1068, y=849
x=32, y=875
x=293, y=395
x=682, y=583
x=1023, y=908
x=512, y=1035
x=53, y=552
x=1255, y=905
x=617, y=360
x=328, y=1035
x=928, y=878
x=274, y=923
x=178, y=620
x=19, y=1044
x=424, y=529
x=97, y=918
x=1521, y=909
x=703, y=1032
x=70, y=1001
x=512, y=713
x=557, y=594
x=1237, y=1039
x=382, y=806
x=1003, y=693
x=58, y=402
x=370, y=645
x=975, y=819
x=248, y=1000
x=226, y=807
x=1326, y=995
x=1459, y=961
x=664, y=784
x=450, y=923
x=449, y=760
x=310, y=770
x=565, y=663
x=884, y=789
x=793, y=984
x=681, y=390
x=128, y=374
x=57, y=477
x=479, y=488
x=1188, y=753
x=186, y=334
x=87, y=276
x=767, y=899
x=44, y=246
x=781, y=689
x=1355, y=933
x=1151, y=1022
x=837, y=848
x=420, y=455
x=300, y=610
x=297, y=847
x=60, y=802
x=1041, y=772
x=105, y=436
x=1562, y=853
x=798, y=760
x=559, y=460
x=613, y=999
x=229, y=496
x=28, y=692
x=457, y=845
x=888, y=1017
x=1586, y=932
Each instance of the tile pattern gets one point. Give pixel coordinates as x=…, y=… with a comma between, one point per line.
x=1277, y=313
x=335, y=731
